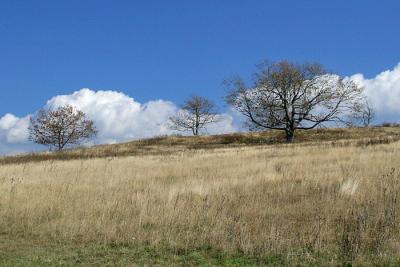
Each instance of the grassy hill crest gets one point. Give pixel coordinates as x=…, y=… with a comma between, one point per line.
x=172, y=144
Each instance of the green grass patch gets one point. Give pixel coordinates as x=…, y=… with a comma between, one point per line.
x=22, y=252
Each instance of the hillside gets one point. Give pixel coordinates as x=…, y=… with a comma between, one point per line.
x=173, y=144
x=330, y=199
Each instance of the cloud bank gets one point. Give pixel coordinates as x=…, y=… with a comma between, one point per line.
x=117, y=116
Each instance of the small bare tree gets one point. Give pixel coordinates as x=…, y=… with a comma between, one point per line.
x=362, y=115
x=287, y=97
x=60, y=127
x=365, y=114
x=195, y=114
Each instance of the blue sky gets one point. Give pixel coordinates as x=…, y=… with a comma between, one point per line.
x=168, y=49
x=140, y=59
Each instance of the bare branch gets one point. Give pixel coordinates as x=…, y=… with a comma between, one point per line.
x=195, y=114
x=287, y=96
x=60, y=127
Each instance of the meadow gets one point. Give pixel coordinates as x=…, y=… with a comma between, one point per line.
x=331, y=198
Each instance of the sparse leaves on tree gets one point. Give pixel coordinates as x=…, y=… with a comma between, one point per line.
x=195, y=114
x=287, y=97
x=364, y=114
x=61, y=127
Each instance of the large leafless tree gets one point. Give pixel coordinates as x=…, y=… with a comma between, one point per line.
x=287, y=97
x=195, y=114
x=61, y=127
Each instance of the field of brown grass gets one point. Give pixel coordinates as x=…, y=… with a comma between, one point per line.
x=325, y=201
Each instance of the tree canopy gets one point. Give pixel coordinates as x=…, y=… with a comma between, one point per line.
x=61, y=127
x=287, y=96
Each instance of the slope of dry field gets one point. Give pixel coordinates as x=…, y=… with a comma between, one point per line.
x=309, y=203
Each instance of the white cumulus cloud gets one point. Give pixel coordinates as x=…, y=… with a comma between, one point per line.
x=383, y=92
x=14, y=129
x=117, y=116
x=14, y=134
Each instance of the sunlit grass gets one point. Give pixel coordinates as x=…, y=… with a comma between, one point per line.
x=313, y=203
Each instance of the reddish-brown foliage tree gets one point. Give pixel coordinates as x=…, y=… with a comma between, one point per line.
x=60, y=127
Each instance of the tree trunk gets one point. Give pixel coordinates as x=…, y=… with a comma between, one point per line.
x=289, y=135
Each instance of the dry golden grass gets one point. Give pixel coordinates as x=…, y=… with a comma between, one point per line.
x=305, y=202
